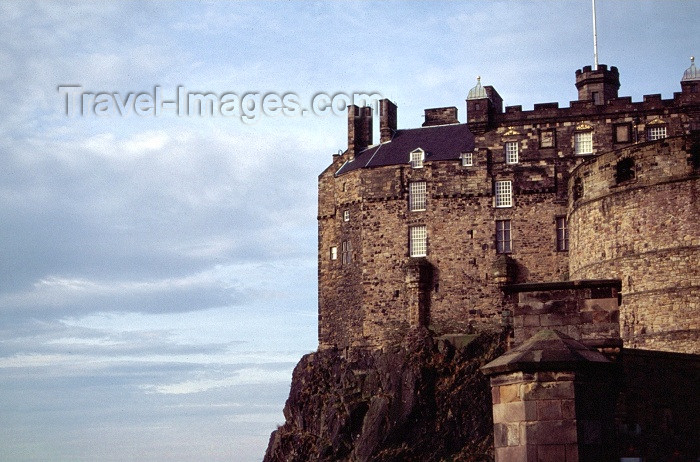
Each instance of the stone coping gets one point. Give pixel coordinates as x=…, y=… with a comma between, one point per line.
x=548, y=350
x=562, y=285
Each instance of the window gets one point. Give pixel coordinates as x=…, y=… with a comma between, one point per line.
x=583, y=142
x=346, y=215
x=504, y=194
x=417, y=158
x=624, y=170
x=416, y=196
x=562, y=235
x=657, y=133
x=622, y=133
x=418, y=241
x=467, y=159
x=504, y=243
x=512, y=152
x=346, y=253
x=334, y=253
x=547, y=139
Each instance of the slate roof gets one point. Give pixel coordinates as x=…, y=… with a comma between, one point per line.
x=547, y=350
x=440, y=142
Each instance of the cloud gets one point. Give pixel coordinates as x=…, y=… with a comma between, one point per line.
x=249, y=376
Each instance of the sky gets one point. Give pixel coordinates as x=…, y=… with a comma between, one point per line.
x=158, y=268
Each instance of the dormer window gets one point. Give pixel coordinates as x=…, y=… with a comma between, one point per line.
x=467, y=159
x=417, y=157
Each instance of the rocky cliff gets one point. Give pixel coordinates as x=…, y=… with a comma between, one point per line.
x=425, y=400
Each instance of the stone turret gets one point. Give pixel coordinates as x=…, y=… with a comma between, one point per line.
x=598, y=85
x=690, y=83
x=483, y=103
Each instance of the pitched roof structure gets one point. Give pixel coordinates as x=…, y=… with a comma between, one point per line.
x=440, y=142
x=547, y=350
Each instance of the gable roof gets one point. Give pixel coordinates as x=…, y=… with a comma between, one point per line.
x=440, y=142
x=547, y=350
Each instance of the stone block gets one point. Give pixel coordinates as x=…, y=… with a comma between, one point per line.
x=549, y=409
x=510, y=393
x=495, y=395
x=568, y=409
x=506, y=435
x=500, y=435
x=550, y=432
x=531, y=320
x=601, y=304
x=551, y=319
x=548, y=390
x=514, y=412
x=516, y=454
x=552, y=376
x=513, y=377
x=572, y=453
x=551, y=453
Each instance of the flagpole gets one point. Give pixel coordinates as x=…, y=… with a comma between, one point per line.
x=595, y=41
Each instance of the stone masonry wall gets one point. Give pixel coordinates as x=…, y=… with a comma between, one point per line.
x=467, y=272
x=365, y=302
x=644, y=231
x=522, y=413
x=587, y=311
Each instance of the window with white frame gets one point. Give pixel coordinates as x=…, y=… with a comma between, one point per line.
x=583, y=142
x=562, y=235
x=417, y=157
x=346, y=215
x=657, y=132
x=467, y=159
x=416, y=196
x=418, y=241
x=334, y=253
x=504, y=194
x=345, y=252
x=511, y=152
x=504, y=242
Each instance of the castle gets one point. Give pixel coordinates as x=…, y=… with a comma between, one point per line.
x=446, y=225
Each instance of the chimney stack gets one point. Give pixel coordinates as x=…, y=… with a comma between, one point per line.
x=387, y=120
x=359, y=128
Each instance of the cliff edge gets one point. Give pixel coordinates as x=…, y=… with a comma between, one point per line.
x=424, y=400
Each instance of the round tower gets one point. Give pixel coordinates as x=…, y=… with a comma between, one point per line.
x=634, y=216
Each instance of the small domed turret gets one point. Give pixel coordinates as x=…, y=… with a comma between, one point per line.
x=692, y=72
x=478, y=91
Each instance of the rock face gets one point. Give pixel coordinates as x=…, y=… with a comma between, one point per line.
x=425, y=400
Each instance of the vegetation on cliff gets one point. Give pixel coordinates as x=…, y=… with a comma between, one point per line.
x=425, y=400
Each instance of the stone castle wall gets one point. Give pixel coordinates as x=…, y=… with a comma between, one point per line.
x=638, y=222
x=369, y=295
x=369, y=300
